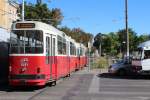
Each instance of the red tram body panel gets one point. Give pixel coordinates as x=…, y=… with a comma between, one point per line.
x=62, y=66
x=73, y=64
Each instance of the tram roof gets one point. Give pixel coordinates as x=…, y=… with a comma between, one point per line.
x=39, y=25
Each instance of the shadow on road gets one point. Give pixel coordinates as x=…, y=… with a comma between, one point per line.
x=133, y=77
x=7, y=88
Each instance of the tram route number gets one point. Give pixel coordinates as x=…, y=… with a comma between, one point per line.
x=25, y=25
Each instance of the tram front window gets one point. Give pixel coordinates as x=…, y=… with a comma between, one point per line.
x=26, y=42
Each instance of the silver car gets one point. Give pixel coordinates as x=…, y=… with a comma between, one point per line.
x=121, y=67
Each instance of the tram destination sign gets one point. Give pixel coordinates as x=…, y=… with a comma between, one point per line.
x=25, y=25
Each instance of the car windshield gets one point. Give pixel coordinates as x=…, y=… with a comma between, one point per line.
x=26, y=42
x=120, y=61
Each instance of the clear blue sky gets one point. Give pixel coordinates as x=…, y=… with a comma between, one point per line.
x=103, y=16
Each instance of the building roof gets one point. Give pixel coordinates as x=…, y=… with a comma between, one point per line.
x=13, y=3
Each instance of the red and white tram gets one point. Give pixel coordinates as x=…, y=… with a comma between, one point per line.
x=40, y=53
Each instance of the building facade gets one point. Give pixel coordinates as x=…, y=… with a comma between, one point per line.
x=8, y=13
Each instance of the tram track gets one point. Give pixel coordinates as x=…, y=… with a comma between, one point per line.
x=39, y=93
x=45, y=89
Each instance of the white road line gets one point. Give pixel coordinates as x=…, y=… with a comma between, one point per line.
x=95, y=85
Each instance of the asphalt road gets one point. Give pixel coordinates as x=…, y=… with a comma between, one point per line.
x=84, y=85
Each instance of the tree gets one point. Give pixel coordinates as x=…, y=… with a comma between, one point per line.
x=133, y=39
x=143, y=38
x=113, y=42
x=78, y=34
x=99, y=42
x=66, y=30
x=42, y=13
x=56, y=16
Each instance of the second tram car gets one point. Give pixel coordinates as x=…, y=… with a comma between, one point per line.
x=40, y=53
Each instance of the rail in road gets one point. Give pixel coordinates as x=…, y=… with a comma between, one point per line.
x=86, y=85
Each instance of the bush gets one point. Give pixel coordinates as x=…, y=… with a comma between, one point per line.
x=100, y=63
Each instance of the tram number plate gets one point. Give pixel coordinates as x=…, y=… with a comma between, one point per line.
x=22, y=82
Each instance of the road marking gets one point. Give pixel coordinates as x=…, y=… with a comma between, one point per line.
x=95, y=85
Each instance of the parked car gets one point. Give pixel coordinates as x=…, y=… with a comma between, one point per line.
x=121, y=67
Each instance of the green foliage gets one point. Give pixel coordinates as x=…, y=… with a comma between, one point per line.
x=98, y=40
x=42, y=13
x=143, y=38
x=112, y=43
x=57, y=17
x=132, y=38
x=78, y=34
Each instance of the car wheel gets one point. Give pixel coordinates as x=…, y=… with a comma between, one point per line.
x=121, y=72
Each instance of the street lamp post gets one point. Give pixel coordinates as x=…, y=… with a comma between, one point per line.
x=127, y=33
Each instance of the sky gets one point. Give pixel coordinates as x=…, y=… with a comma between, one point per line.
x=103, y=16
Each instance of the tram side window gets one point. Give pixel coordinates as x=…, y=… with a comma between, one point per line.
x=81, y=51
x=61, y=45
x=72, y=49
x=64, y=46
x=53, y=47
x=26, y=41
x=78, y=51
x=47, y=50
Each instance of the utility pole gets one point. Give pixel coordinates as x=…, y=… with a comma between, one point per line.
x=127, y=33
x=100, y=49
x=22, y=10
